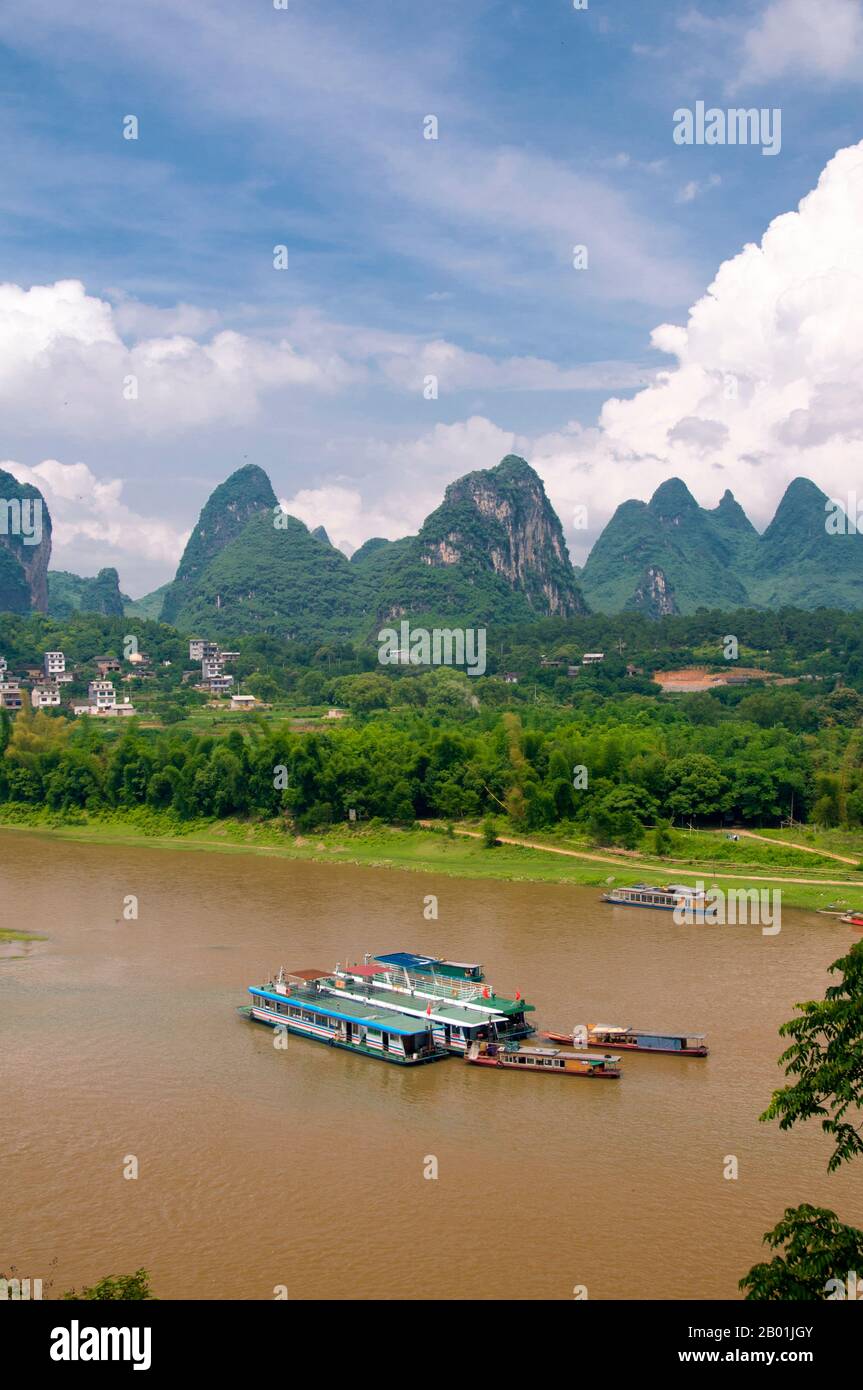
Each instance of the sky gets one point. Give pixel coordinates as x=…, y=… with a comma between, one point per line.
x=282, y=268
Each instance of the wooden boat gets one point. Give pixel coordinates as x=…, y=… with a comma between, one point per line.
x=853, y=919
x=552, y=1061
x=633, y=1039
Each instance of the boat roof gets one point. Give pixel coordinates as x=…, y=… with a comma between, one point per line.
x=561, y=1052
x=645, y=1032
x=309, y=975
x=499, y=1004
x=366, y=972
x=351, y=1010
x=448, y=1011
x=408, y=960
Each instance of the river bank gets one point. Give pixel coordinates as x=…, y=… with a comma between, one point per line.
x=431, y=849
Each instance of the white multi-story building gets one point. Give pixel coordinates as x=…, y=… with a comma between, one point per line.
x=55, y=665
x=44, y=695
x=101, y=694
x=201, y=650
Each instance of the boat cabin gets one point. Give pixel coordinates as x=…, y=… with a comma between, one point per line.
x=301, y=1006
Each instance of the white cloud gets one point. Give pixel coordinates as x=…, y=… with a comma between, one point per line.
x=403, y=482
x=92, y=526
x=63, y=362
x=692, y=190
x=768, y=382
x=812, y=38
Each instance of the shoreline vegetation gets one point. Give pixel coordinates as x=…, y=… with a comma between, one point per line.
x=808, y=876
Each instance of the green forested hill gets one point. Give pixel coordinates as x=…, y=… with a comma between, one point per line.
x=671, y=556
x=70, y=592
x=493, y=551
x=229, y=508
x=275, y=578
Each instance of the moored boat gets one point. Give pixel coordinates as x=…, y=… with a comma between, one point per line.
x=551, y=1061
x=633, y=1039
x=667, y=898
x=300, y=1003
x=461, y=1003
x=853, y=919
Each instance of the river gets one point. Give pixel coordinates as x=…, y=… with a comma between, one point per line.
x=304, y=1168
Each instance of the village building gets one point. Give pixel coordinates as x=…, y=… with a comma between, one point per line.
x=101, y=694
x=45, y=695
x=55, y=667
x=10, y=695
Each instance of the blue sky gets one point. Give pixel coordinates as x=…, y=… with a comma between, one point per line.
x=304, y=127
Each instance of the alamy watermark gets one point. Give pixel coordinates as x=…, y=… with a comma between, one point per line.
x=736, y=907
x=22, y=516
x=844, y=518
x=736, y=126
x=442, y=646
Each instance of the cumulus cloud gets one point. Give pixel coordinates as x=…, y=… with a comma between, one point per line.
x=403, y=482
x=91, y=524
x=768, y=379
x=63, y=361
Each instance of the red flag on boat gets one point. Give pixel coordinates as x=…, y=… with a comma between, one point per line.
x=485, y=992
x=518, y=994
x=428, y=1009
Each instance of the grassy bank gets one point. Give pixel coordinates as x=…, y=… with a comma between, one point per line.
x=434, y=851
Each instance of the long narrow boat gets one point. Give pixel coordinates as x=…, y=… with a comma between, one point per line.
x=633, y=1039
x=550, y=1061
x=853, y=919
x=300, y=1003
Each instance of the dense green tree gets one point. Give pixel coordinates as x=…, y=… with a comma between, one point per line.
x=825, y=1060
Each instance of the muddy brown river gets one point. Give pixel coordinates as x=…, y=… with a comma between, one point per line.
x=119, y=1040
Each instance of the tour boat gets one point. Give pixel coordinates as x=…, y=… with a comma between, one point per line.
x=853, y=919
x=300, y=1003
x=665, y=899
x=550, y=1060
x=633, y=1039
x=454, y=1025
x=463, y=1006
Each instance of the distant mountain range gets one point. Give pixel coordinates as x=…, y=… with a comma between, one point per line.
x=493, y=551
x=669, y=555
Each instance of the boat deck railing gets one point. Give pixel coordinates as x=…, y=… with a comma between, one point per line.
x=439, y=986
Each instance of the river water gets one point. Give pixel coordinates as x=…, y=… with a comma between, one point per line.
x=304, y=1168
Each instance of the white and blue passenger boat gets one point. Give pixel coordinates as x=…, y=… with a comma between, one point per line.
x=668, y=898
x=299, y=1002
x=454, y=995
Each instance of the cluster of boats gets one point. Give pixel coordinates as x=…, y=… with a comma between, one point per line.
x=410, y=1009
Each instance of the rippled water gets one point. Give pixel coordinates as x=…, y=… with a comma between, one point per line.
x=305, y=1168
